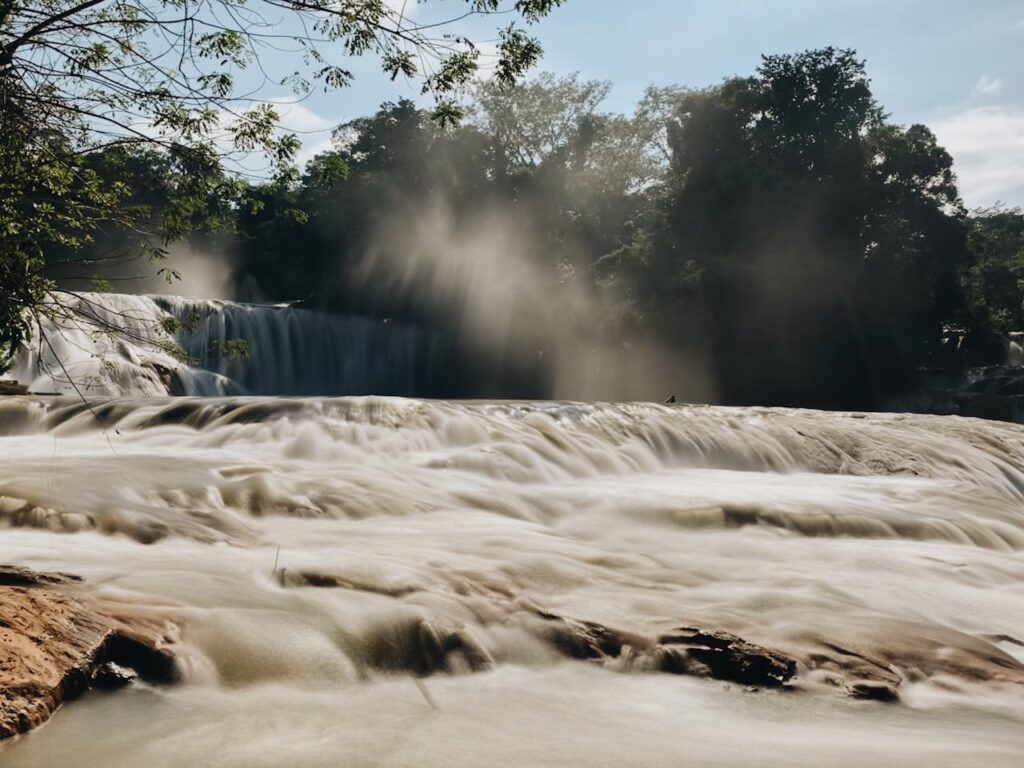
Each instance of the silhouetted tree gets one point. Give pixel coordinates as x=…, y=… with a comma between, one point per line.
x=812, y=245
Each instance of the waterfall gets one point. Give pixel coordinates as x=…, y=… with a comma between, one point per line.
x=1015, y=352
x=290, y=351
x=307, y=558
x=377, y=580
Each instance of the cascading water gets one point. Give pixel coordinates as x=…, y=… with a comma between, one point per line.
x=314, y=553
x=299, y=352
x=292, y=351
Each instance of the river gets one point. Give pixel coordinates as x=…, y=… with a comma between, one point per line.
x=830, y=537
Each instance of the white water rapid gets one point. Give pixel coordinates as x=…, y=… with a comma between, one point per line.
x=370, y=581
x=293, y=351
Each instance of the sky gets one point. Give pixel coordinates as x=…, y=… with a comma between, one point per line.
x=954, y=65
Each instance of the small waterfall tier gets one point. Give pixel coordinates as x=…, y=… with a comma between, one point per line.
x=116, y=344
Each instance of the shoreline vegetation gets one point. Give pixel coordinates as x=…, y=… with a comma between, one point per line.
x=772, y=240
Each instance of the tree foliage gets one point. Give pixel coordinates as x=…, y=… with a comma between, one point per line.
x=88, y=79
x=809, y=243
x=779, y=224
x=994, y=278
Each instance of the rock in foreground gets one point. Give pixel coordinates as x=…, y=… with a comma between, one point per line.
x=54, y=644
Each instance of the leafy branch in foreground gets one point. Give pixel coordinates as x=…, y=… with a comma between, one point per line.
x=185, y=78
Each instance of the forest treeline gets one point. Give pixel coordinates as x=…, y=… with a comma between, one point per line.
x=780, y=225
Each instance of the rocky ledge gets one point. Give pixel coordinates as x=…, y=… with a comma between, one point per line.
x=684, y=651
x=426, y=647
x=12, y=388
x=55, y=643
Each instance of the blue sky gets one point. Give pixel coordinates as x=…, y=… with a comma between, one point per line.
x=953, y=65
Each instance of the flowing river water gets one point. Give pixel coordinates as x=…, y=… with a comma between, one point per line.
x=309, y=552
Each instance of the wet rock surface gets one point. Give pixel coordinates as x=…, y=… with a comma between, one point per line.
x=684, y=651
x=12, y=388
x=421, y=648
x=326, y=579
x=871, y=663
x=728, y=657
x=110, y=676
x=874, y=690
x=55, y=644
x=864, y=668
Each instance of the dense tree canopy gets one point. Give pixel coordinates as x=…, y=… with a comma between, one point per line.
x=779, y=225
x=812, y=245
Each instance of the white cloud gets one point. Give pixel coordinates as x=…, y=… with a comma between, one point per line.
x=407, y=8
x=313, y=130
x=310, y=149
x=987, y=86
x=487, y=61
x=987, y=145
x=296, y=117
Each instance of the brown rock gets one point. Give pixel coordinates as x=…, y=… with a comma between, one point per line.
x=685, y=651
x=874, y=690
x=54, y=644
x=12, y=388
x=423, y=648
x=47, y=646
x=728, y=657
x=874, y=661
x=583, y=639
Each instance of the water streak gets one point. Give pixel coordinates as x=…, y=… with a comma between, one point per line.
x=831, y=537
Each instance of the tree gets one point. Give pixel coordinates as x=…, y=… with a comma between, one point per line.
x=578, y=173
x=542, y=151
x=537, y=119
x=394, y=163
x=81, y=76
x=813, y=245
x=994, y=277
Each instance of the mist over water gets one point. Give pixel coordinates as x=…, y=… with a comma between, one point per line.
x=826, y=536
x=490, y=319
x=201, y=269
x=482, y=275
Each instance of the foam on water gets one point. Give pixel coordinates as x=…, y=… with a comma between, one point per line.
x=895, y=538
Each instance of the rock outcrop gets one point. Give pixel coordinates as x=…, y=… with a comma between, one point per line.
x=684, y=651
x=723, y=656
x=55, y=643
x=12, y=388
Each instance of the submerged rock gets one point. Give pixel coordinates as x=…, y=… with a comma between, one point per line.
x=728, y=657
x=54, y=644
x=110, y=676
x=874, y=690
x=12, y=388
x=875, y=660
x=422, y=648
x=585, y=640
x=685, y=651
